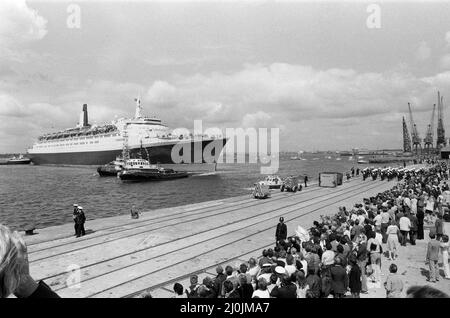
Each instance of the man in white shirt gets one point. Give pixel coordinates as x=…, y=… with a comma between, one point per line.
x=377, y=220
x=405, y=226
x=407, y=201
x=328, y=255
x=290, y=267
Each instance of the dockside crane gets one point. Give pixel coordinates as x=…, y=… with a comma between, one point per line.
x=406, y=138
x=416, y=141
x=428, y=140
x=441, y=141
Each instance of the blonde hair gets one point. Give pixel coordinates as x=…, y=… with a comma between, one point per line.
x=12, y=254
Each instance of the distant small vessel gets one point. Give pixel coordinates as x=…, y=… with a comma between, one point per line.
x=350, y=158
x=274, y=182
x=363, y=161
x=338, y=158
x=142, y=170
x=20, y=160
x=298, y=157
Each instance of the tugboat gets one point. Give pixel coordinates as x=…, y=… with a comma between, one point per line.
x=112, y=168
x=142, y=170
x=21, y=160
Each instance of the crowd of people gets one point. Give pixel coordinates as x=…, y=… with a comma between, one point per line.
x=341, y=254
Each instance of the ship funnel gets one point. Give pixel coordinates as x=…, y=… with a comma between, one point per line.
x=85, y=116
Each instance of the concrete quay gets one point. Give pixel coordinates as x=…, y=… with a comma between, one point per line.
x=122, y=257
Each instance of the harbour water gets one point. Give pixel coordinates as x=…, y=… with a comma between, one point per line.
x=44, y=195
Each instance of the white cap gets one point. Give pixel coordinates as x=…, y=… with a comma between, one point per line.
x=80, y=207
x=280, y=270
x=75, y=204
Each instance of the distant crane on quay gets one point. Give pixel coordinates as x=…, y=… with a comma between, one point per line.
x=428, y=141
x=416, y=141
x=441, y=141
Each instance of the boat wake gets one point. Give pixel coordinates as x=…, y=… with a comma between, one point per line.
x=204, y=174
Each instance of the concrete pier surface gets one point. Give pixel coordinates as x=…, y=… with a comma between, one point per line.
x=122, y=257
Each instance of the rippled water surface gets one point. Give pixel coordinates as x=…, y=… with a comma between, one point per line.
x=44, y=195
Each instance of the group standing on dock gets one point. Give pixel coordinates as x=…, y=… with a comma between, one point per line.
x=79, y=219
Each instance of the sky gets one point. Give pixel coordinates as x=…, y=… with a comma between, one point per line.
x=315, y=70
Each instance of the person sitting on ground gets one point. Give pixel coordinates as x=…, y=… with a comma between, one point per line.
x=15, y=275
x=394, y=283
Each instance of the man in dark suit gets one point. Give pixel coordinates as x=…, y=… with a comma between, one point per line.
x=75, y=216
x=339, y=279
x=281, y=232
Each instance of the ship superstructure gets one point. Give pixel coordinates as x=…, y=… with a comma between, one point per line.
x=88, y=144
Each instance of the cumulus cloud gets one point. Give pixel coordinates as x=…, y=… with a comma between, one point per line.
x=20, y=23
x=294, y=98
x=292, y=92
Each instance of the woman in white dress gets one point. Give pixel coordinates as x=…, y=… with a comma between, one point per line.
x=392, y=240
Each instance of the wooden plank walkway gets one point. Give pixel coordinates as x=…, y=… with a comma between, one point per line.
x=121, y=257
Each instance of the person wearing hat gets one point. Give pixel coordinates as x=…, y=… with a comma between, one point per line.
x=281, y=232
x=74, y=216
x=80, y=220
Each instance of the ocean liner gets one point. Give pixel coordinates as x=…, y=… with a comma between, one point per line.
x=142, y=136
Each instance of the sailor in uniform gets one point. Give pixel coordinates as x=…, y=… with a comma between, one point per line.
x=80, y=220
x=74, y=216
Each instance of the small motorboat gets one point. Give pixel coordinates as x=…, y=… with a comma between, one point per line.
x=274, y=182
x=20, y=160
x=142, y=170
x=363, y=161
